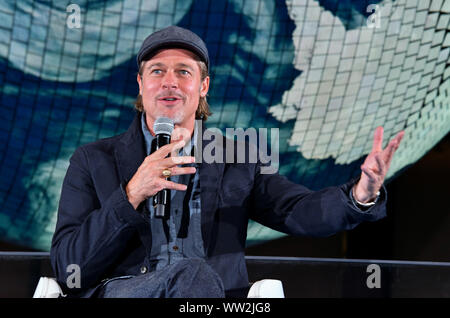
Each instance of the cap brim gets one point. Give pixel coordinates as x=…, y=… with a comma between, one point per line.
x=149, y=52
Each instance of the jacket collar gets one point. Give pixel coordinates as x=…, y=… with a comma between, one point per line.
x=211, y=175
x=130, y=150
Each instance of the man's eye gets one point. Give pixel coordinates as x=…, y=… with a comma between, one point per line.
x=184, y=72
x=156, y=71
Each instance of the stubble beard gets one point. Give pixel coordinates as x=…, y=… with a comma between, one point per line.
x=177, y=117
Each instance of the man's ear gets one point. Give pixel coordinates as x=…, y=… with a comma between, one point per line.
x=139, y=80
x=204, y=87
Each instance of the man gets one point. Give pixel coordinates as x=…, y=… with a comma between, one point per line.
x=106, y=222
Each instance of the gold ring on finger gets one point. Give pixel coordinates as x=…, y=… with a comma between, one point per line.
x=166, y=173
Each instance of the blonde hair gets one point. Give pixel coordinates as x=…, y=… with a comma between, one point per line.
x=202, y=111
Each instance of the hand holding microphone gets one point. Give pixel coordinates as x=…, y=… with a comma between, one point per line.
x=149, y=179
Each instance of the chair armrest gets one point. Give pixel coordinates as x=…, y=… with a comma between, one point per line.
x=266, y=288
x=48, y=287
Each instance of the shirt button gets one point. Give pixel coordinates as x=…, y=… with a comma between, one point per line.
x=175, y=248
x=143, y=269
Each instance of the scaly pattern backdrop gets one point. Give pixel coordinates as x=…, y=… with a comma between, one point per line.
x=325, y=72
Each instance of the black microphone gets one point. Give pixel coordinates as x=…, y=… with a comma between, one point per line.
x=162, y=128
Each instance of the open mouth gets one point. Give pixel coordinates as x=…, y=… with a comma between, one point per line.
x=169, y=100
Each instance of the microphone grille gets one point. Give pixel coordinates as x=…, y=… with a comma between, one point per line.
x=163, y=125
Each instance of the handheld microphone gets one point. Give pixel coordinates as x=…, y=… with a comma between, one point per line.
x=162, y=128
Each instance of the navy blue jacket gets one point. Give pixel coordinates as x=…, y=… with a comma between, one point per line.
x=99, y=230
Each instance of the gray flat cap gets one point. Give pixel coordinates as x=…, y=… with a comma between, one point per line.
x=171, y=37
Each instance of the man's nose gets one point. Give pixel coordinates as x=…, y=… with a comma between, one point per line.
x=170, y=80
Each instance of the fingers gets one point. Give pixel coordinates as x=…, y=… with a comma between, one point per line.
x=378, y=139
x=170, y=162
x=163, y=183
x=374, y=169
x=399, y=137
x=165, y=150
x=392, y=147
x=376, y=176
x=369, y=173
x=160, y=158
x=166, y=184
x=176, y=171
x=381, y=165
x=178, y=134
x=376, y=165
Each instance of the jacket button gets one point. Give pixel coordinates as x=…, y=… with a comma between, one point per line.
x=143, y=269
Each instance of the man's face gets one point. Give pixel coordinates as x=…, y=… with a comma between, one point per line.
x=171, y=86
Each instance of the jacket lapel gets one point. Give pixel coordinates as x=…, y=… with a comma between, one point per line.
x=210, y=182
x=130, y=150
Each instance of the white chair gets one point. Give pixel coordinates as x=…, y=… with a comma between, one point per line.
x=266, y=288
x=48, y=287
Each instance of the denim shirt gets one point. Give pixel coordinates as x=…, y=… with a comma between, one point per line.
x=180, y=235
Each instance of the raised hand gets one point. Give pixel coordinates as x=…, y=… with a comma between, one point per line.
x=376, y=166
